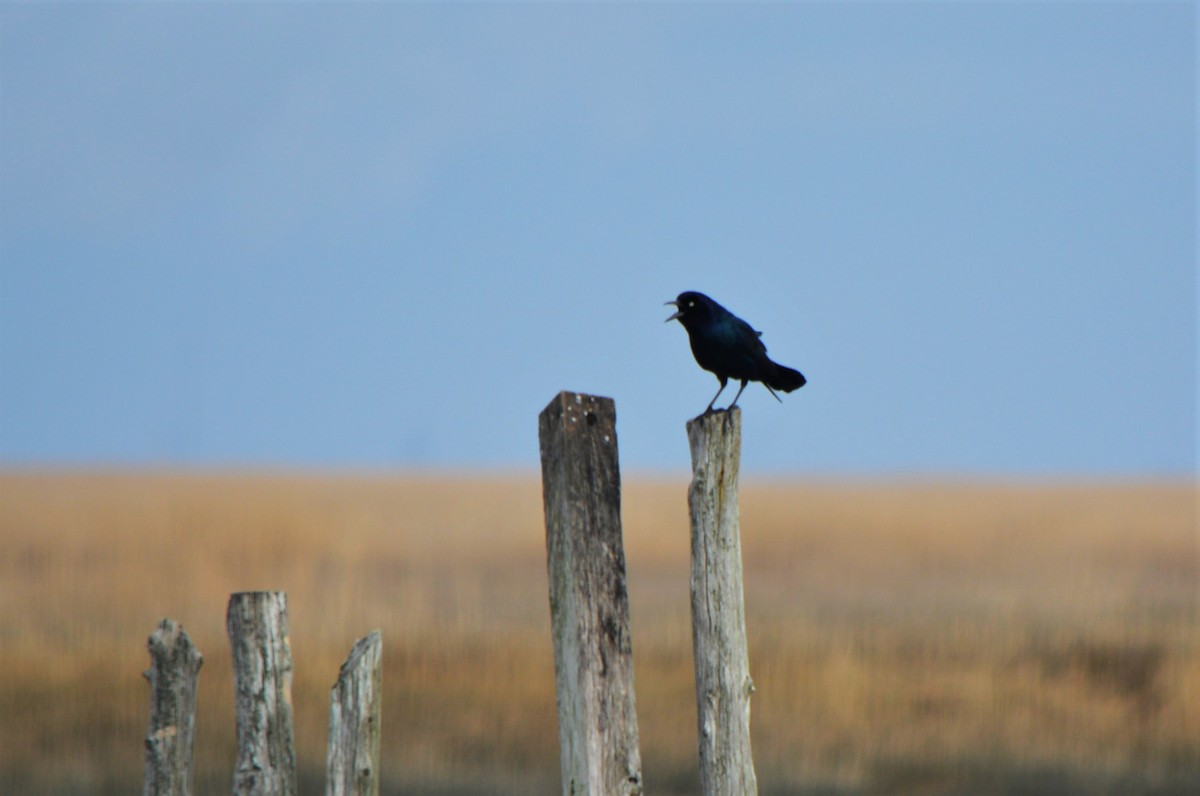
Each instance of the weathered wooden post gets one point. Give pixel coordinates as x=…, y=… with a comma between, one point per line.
x=589, y=605
x=262, y=680
x=352, y=763
x=173, y=674
x=723, y=684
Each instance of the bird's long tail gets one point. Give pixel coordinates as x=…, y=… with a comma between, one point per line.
x=784, y=378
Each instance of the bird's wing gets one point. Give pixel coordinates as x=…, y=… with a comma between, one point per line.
x=750, y=335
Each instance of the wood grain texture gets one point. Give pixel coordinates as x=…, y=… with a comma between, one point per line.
x=352, y=764
x=257, y=623
x=174, y=676
x=589, y=604
x=723, y=684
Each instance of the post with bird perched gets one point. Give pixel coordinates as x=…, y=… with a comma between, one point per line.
x=589, y=603
x=729, y=348
x=723, y=684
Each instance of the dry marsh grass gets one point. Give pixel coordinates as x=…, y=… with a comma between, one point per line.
x=904, y=638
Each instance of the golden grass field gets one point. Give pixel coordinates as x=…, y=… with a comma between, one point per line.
x=904, y=638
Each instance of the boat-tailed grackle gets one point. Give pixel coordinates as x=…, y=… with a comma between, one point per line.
x=728, y=347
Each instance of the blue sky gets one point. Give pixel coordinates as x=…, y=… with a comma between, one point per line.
x=386, y=235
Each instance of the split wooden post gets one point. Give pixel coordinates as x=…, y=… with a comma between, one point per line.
x=262, y=680
x=173, y=674
x=589, y=604
x=723, y=684
x=352, y=763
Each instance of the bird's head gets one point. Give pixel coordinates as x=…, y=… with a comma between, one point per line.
x=692, y=308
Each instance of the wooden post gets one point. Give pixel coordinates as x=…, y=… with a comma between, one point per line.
x=174, y=673
x=723, y=684
x=589, y=605
x=262, y=680
x=352, y=763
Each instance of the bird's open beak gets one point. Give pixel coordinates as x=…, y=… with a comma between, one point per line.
x=676, y=315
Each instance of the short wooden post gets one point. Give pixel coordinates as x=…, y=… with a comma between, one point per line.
x=723, y=684
x=262, y=680
x=589, y=605
x=173, y=674
x=352, y=763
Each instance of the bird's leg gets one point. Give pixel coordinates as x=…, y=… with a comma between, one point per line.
x=777, y=398
x=739, y=395
x=724, y=381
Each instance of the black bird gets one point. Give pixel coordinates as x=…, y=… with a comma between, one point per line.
x=726, y=345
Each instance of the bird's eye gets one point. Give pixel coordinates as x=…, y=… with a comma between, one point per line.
x=691, y=303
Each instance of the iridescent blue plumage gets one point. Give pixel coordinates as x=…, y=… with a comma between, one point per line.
x=728, y=347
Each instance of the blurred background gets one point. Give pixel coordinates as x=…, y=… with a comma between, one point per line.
x=283, y=288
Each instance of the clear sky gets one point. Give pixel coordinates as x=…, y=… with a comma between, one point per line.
x=386, y=235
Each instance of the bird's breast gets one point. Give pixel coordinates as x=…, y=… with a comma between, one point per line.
x=724, y=354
